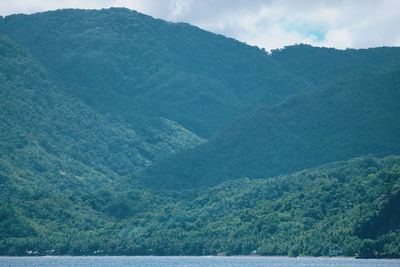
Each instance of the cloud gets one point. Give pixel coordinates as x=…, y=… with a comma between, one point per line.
x=265, y=23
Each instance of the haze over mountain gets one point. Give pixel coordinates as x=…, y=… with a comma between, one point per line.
x=123, y=134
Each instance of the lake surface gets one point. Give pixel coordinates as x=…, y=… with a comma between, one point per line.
x=150, y=261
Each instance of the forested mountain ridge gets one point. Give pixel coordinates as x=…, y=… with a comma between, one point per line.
x=138, y=69
x=319, y=65
x=120, y=61
x=355, y=115
x=104, y=115
x=48, y=137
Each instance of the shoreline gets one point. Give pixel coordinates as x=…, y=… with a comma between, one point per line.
x=189, y=256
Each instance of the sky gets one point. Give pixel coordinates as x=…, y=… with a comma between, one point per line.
x=268, y=24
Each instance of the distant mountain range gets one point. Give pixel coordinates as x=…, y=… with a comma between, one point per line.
x=124, y=134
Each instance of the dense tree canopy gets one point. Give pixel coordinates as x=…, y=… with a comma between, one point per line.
x=355, y=115
x=104, y=121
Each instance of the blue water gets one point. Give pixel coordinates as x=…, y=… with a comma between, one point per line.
x=150, y=261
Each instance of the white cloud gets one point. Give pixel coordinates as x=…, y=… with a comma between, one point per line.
x=339, y=38
x=266, y=23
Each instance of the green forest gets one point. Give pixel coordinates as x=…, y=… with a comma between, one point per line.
x=122, y=134
x=346, y=206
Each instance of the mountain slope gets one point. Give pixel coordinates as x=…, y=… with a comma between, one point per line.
x=352, y=116
x=122, y=62
x=50, y=138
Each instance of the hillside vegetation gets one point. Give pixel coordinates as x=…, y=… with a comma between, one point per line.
x=346, y=206
x=122, y=134
x=352, y=116
x=120, y=61
x=48, y=137
x=123, y=62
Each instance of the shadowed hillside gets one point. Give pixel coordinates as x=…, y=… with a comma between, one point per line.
x=356, y=115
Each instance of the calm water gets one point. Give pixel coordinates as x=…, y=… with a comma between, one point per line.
x=190, y=261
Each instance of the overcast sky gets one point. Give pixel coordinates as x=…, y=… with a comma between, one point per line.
x=265, y=23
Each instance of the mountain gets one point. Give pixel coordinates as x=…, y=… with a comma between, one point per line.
x=122, y=134
x=48, y=137
x=358, y=114
x=122, y=62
